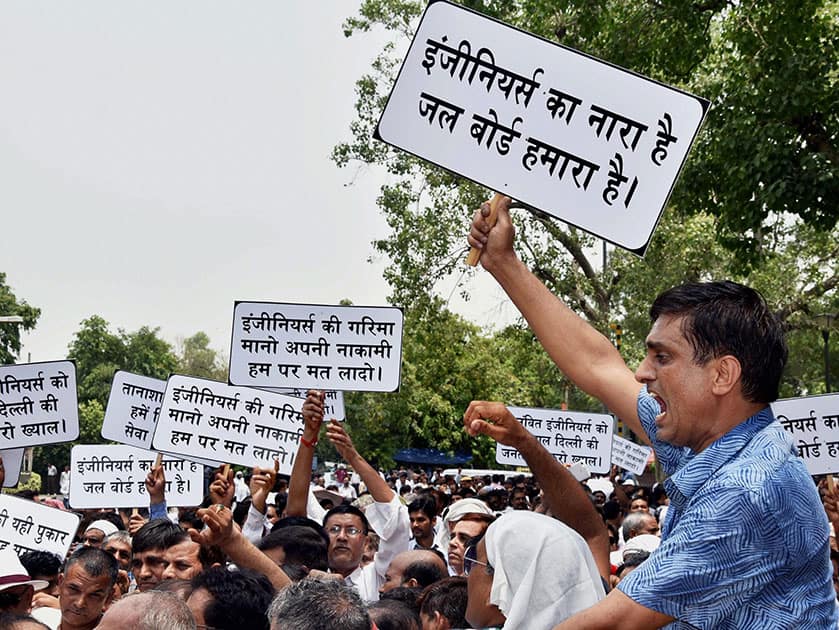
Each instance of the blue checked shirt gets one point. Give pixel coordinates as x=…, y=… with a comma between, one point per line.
x=745, y=540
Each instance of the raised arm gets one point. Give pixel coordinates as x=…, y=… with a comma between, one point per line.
x=563, y=494
x=222, y=531
x=301, y=471
x=581, y=352
x=377, y=486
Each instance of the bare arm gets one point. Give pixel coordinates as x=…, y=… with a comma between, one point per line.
x=563, y=494
x=220, y=530
x=616, y=611
x=377, y=486
x=579, y=351
x=301, y=471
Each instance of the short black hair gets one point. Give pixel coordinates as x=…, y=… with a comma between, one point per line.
x=95, y=562
x=240, y=599
x=425, y=572
x=729, y=318
x=425, y=504
x=160, y=533
x=448, y=597
x=345, y=508
x=393, y=614
x=303, y=521
x=41, y=563
x=302, y=546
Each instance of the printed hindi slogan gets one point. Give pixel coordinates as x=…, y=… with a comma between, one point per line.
x=570, y=436
x=813, y=422
x=115, y=476
x=38, y=404
x=12, y=461
x=29, y=526
x=333, y=401
x=580, y=139
x=301, y=346
x=629, y=455
x=133, y=409
x=220, y=422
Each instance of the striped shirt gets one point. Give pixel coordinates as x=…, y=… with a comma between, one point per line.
x=745, y=540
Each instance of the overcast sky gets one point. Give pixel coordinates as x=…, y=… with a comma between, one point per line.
x=160, y=160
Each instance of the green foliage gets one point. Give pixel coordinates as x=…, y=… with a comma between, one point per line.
x=756, y=201
x=34, y=484
x=10, y=305
x=196, y=358
x=98, y=353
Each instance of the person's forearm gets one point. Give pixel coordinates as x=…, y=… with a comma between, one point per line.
x=567, y=500
x=301, y=475
x=244, y=554
x=376, y=486
x=584, y=355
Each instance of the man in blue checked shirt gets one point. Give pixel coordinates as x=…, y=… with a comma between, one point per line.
x=745, y=541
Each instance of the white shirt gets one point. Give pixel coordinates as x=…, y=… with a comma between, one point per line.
x=393, y=525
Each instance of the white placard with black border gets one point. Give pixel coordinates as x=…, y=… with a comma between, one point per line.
x=38, y=404
x=813, y=423
x=29, y=526
x=237, y=425
x=106, y=476
x=570, y=436
x=303, y=346
x=629, y=455
x=333, y=401
x=580, y=139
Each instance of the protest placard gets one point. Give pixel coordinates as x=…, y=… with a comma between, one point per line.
x=12, y=461
x=583, y=140
x=333, y=401
x=570, y=436
x=29, y=526
x=133, y=409
x=38, y=404
x=813, y=421
x=237, y=425
x=629, y=455
x=301, y=346
x=115, y=476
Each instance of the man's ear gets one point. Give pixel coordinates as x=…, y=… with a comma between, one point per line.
x=411, y=583
x=726, y=375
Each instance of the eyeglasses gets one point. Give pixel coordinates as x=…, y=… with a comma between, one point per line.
x=350, y=531
x=470, y=559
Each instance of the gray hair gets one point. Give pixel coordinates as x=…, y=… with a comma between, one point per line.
x=321, y=604
x=156, y=610
x=120, y=535
x=634, y=520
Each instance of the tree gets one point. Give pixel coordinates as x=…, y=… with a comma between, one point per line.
x=757, y=196
x=196, y=358
x=10, y=305
x=98, y=354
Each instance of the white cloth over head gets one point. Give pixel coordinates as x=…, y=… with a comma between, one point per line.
x=455, y=512
x=106, y=527
x=544, y=570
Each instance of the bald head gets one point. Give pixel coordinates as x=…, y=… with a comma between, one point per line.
x=152, y=610
x=419, y=567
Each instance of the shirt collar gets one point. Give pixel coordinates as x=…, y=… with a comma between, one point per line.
x=698, y=467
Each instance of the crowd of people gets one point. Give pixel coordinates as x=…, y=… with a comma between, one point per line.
x=738, y=535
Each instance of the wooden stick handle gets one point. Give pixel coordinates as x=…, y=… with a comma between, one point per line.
x=474, y=253
x=830, y=482
x=158, y=460
x=225, y=470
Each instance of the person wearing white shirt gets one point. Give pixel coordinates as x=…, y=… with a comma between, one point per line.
x=346, y=525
